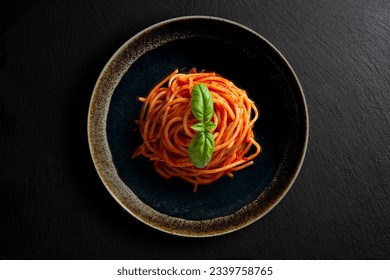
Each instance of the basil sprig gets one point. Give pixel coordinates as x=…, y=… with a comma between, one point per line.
x=202, y=145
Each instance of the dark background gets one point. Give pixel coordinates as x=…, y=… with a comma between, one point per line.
x=52, y=203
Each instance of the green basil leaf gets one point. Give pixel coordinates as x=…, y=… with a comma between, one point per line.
x=199, y=127
x=201, y=148
x=209, y=125
x=202, y=103
x=202, y=145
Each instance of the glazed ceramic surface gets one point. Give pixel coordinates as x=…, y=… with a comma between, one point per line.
x=238, y=54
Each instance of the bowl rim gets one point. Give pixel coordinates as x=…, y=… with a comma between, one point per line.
x=128, y=199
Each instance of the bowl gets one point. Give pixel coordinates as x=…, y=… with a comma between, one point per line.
x=238, y=54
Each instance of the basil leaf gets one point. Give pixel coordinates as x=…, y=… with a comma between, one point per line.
x=202, y=103
x=202, y=145
x=201, y=148
x=209, y=125
x=199, y=127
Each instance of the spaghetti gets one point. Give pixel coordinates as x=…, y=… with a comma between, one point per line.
x=165, y=126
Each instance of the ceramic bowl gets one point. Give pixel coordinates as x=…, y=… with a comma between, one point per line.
x=235, y=52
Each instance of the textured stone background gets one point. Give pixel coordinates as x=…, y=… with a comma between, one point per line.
x=52, y=203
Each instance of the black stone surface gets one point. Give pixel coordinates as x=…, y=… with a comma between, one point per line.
x=52, y=203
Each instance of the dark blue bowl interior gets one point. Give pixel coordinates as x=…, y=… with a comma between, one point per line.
x=251, y=64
